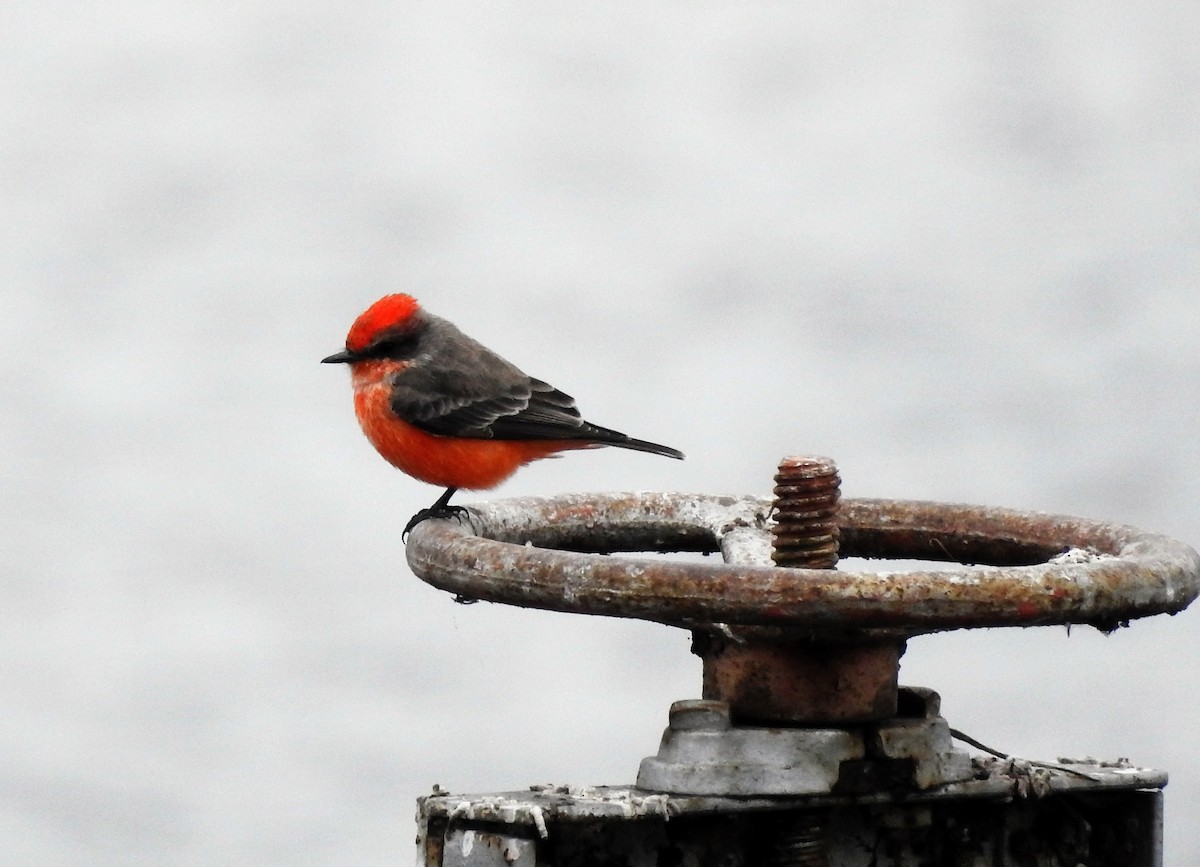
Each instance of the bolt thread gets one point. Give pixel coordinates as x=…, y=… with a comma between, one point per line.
x=807, y=491
x=799, y=841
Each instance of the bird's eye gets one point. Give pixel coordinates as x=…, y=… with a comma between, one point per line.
x=395, y=346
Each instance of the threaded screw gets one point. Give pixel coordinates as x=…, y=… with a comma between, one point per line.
x=807, y=491
x=799, y=841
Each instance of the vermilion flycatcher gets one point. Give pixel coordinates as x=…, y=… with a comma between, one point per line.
x=449, y=411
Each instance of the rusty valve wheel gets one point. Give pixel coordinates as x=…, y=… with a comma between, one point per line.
x=804, y=646
x=1030, y=568
x=801, y=660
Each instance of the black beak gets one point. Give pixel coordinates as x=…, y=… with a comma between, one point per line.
x=343, y=357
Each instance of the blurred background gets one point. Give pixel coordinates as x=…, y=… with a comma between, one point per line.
x=954, y=247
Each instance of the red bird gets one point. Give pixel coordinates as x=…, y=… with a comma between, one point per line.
x=449, y=411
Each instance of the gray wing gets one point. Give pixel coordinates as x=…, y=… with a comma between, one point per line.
x=461, y=388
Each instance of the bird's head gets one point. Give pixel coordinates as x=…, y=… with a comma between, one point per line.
x=386, y=329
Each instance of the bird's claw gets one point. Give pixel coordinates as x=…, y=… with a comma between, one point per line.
x=432, y=512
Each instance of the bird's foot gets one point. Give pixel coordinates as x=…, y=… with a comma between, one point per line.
x=435, y=511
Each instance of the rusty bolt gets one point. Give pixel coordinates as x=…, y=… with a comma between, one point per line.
x=807, y=491
x=789, y=677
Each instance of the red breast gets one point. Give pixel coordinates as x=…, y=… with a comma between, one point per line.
x=451, y=462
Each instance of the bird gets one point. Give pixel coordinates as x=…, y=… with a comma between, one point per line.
x=450, y=412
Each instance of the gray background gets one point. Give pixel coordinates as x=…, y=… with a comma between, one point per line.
x=954, y=246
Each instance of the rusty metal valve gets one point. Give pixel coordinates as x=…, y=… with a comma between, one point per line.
x=797, y=653
x=1030, y=568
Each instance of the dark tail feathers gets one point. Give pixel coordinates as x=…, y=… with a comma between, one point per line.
x=604, y=436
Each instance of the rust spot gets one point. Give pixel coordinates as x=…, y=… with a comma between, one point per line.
x=797, y=682
x=1027, y=610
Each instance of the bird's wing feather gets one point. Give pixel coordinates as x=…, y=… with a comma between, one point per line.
x=462, y=409
x=475, y=393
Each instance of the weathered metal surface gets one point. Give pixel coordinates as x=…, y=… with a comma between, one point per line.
x=1032, y=568
x=805, y=535
x=926, y=743
x=538, y=808
x=702, y=753
x=801, y=682
x=466, y=847
x=1096, y=814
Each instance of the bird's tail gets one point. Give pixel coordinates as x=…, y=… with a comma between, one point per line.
x=604, y=436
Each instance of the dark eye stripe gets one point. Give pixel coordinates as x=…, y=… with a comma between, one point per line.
x=395, y=347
